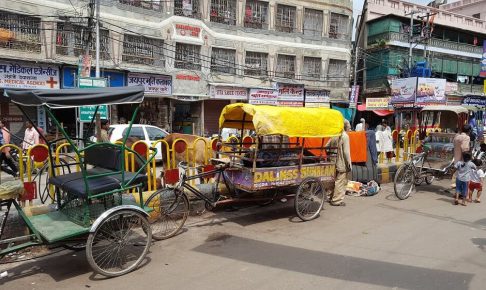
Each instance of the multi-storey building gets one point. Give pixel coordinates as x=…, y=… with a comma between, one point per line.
x=473, y=8
x=193, y=56
x=454, y=50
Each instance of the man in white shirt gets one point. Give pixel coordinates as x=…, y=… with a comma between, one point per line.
x=361, y=125
x=31, y=136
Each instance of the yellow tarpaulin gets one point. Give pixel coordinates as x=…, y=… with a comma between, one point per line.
x=289, y=121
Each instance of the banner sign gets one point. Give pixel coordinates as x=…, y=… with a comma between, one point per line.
x=317, y=98
x=290, y=95
x=474, y=101
x=154, y=84
x=228, y=93
x=86, y=113
x=431, y=90
x=451, y=88
x=24, y=76
x=377, y=104
x=403, y=90
x=483, y=61
x=263, y=97
x=353, y=96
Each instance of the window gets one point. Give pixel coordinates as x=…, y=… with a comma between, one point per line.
x=136, y=132
x=188, y=56
x=71, y=40
x=187, y=8
x=223, y=60
x=155, y=134
x=312, y=67
x=285, y=18
x=337, y=70
x=223, y=11
x=143, y=50
x=338, y=28
x=313, y=22
x=256, y=64
x=285, y=66
x=154, y=5
x=20, y=32
x=256, y=14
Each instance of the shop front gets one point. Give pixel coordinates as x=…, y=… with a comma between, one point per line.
x=155, y=109
x=375, y=110
x=220, y=96
x=25, y=75
x=317, y=98
x=70, y=80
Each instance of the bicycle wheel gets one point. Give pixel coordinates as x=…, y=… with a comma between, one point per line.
x=170, y=210
x=404, y=182
x=309, y=199
x=119, y=244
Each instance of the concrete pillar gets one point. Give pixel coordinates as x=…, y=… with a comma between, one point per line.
x=299, y=19
x=272, y=9
x=48, y=39
x=325, y=23
x=116, y=46
x=205, y=61
x=240, y=12
x=299, y=66
x=205, y=9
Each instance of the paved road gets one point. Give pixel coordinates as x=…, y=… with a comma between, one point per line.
x=373, y=243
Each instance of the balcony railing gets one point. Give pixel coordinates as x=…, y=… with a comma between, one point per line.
x=434, y=42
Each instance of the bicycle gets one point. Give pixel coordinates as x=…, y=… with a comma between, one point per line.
x=170, y=206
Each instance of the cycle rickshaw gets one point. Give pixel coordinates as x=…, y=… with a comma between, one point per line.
x=438, y=127
x=93, y=209
x=289, y=156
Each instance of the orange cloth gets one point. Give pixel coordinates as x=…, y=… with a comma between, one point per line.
x=358, y=146
x=312, y=143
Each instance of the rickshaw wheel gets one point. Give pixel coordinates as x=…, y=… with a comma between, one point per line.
x=119, y=244
x=309, y=199
x=169, y=212
x=429, y=179
x=404, y=182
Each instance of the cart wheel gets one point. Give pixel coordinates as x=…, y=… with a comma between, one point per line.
x=309, y=199
x=429, y=179
x=208, y=206
x=119, y=244
x=170, y=211
x=404, y=183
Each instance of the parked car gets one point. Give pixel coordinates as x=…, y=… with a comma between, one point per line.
x=147, y=133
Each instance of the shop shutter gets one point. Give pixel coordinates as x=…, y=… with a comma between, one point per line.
x=212, y=110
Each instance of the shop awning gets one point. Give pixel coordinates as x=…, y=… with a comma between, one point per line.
x=380, y=113
x=69, y=98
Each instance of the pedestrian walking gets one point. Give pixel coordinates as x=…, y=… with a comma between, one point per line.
x=476, y=182
x=384, y=141
x=343, y=165
x=461, y=144
x=31, y=136
x=361, y=125
x=464, y=171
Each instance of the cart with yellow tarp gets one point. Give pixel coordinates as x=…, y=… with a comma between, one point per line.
x=283, y=152
x=286, y=155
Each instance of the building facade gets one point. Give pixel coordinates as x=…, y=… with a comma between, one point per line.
x=453, y=51
x=192, y=56
x=473, y=8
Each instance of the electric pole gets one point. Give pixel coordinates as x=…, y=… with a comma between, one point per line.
x=97, y=38
x=90, y=26
x=410, y=40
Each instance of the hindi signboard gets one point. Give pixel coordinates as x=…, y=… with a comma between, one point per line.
x=290, y=95
x=26, y=76
x=86, y=112
x=228, y=93
x=430, y=90
x=353, y=96
x=377, y=104
x=403, y=90
x=153, y=84
x=317, y=98
x=263, y=97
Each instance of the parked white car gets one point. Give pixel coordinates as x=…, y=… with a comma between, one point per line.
x=148, y=133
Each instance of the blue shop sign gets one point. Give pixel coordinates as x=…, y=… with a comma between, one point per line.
x=474, y=101
x=69, y=75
